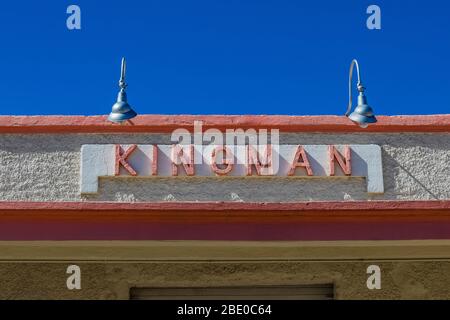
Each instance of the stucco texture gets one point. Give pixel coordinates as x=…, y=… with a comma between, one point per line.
x=409, y=269
x=99, y=280
x=46, y=167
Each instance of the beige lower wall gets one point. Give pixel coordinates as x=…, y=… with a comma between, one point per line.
x=37, y=270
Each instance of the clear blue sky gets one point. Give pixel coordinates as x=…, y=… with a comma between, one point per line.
x=224, y=56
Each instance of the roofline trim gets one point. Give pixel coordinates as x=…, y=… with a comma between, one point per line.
x=168, y=123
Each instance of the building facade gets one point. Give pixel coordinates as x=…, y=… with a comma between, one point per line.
x=324, y=210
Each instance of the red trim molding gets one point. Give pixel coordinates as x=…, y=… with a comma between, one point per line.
x=168, y=123
x=229, y=211
x=359, y=220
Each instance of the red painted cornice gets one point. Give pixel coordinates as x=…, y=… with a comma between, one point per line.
x=228, y=211
x=168, y=123
x=349, y=220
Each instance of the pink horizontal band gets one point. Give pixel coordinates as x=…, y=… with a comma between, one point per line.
x=352, y=220
x=168, y=123
x=227, y=206
x=226, y=212
x=137, y=230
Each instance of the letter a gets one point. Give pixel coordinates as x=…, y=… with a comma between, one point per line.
x=74, y=280
x=374, y=21
x=74, y=20
x=304, y=163
x=374, y=280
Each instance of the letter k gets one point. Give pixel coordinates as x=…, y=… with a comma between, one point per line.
x=121, y=159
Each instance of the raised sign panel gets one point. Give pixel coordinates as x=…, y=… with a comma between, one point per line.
x=280, y=161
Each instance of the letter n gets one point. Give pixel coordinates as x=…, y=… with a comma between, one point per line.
x=344, y=163
x=187, y=160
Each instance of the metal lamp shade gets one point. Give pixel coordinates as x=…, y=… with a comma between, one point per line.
x=363, y=114
x=121, y=110
x=118, y=114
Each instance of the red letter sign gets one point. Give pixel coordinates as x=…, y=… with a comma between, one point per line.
x=121, y=159
x=304, y=163
x=345, y=165
x=187, y=161
x=228, y=164
x=252, y=159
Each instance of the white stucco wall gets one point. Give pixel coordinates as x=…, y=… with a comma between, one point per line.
x=46, y=167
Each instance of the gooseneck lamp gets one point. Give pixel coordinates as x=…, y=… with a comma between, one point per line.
x=121, y=110
x=363, y=113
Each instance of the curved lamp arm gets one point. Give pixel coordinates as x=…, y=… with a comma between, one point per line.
x=359, y=85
